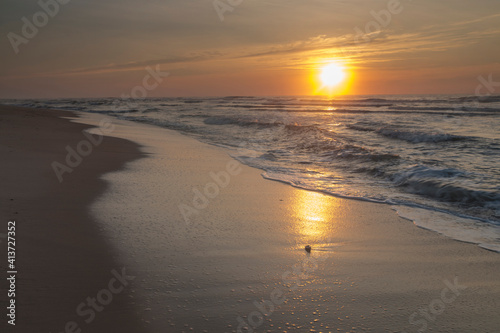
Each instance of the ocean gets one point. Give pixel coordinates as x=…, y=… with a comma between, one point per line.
x=434, y=158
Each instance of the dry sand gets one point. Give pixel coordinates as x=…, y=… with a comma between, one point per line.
x=238, y=257
x=60, y=255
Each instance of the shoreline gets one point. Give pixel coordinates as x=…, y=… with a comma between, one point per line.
x=61, y=256
x=369, y=269
x=411, y=216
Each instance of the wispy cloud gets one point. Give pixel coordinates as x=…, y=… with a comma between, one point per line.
x=386, y=46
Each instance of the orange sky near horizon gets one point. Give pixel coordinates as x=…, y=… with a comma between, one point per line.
x=102, y=49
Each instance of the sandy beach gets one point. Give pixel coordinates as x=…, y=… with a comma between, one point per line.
x=61, y=256
x=213, y=246
x=233, y=166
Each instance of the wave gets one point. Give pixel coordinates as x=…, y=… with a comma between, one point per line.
x=268, y=156
x=97, y=103
x=171, y=105
x=246, y=106
x=240, y=97
x=444, y=108
x=330, y=149
x=118, y=112
x=360, y=128
x=407, y=135
x=480, y=99
x=386, y=100
x=375, y=100
x=296, y=128
x=422, y=108
x=481, y=231
x=344, y=100
x=311, y=140
x=419, y=137
x=239, y=122
x=351, y=152
x=162, y=123
x=443, y=185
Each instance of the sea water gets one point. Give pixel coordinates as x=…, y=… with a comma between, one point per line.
x=434, y=158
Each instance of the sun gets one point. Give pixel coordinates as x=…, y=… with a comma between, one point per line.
x=331, y=77
x=332, y=74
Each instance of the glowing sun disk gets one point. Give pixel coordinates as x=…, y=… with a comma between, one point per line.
x=332, y=74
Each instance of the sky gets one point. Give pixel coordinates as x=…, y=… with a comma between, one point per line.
x=102, y=48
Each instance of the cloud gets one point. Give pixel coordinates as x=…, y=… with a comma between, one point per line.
x=92, y=40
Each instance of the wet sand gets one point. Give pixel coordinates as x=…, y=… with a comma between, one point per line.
x=238, y=260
